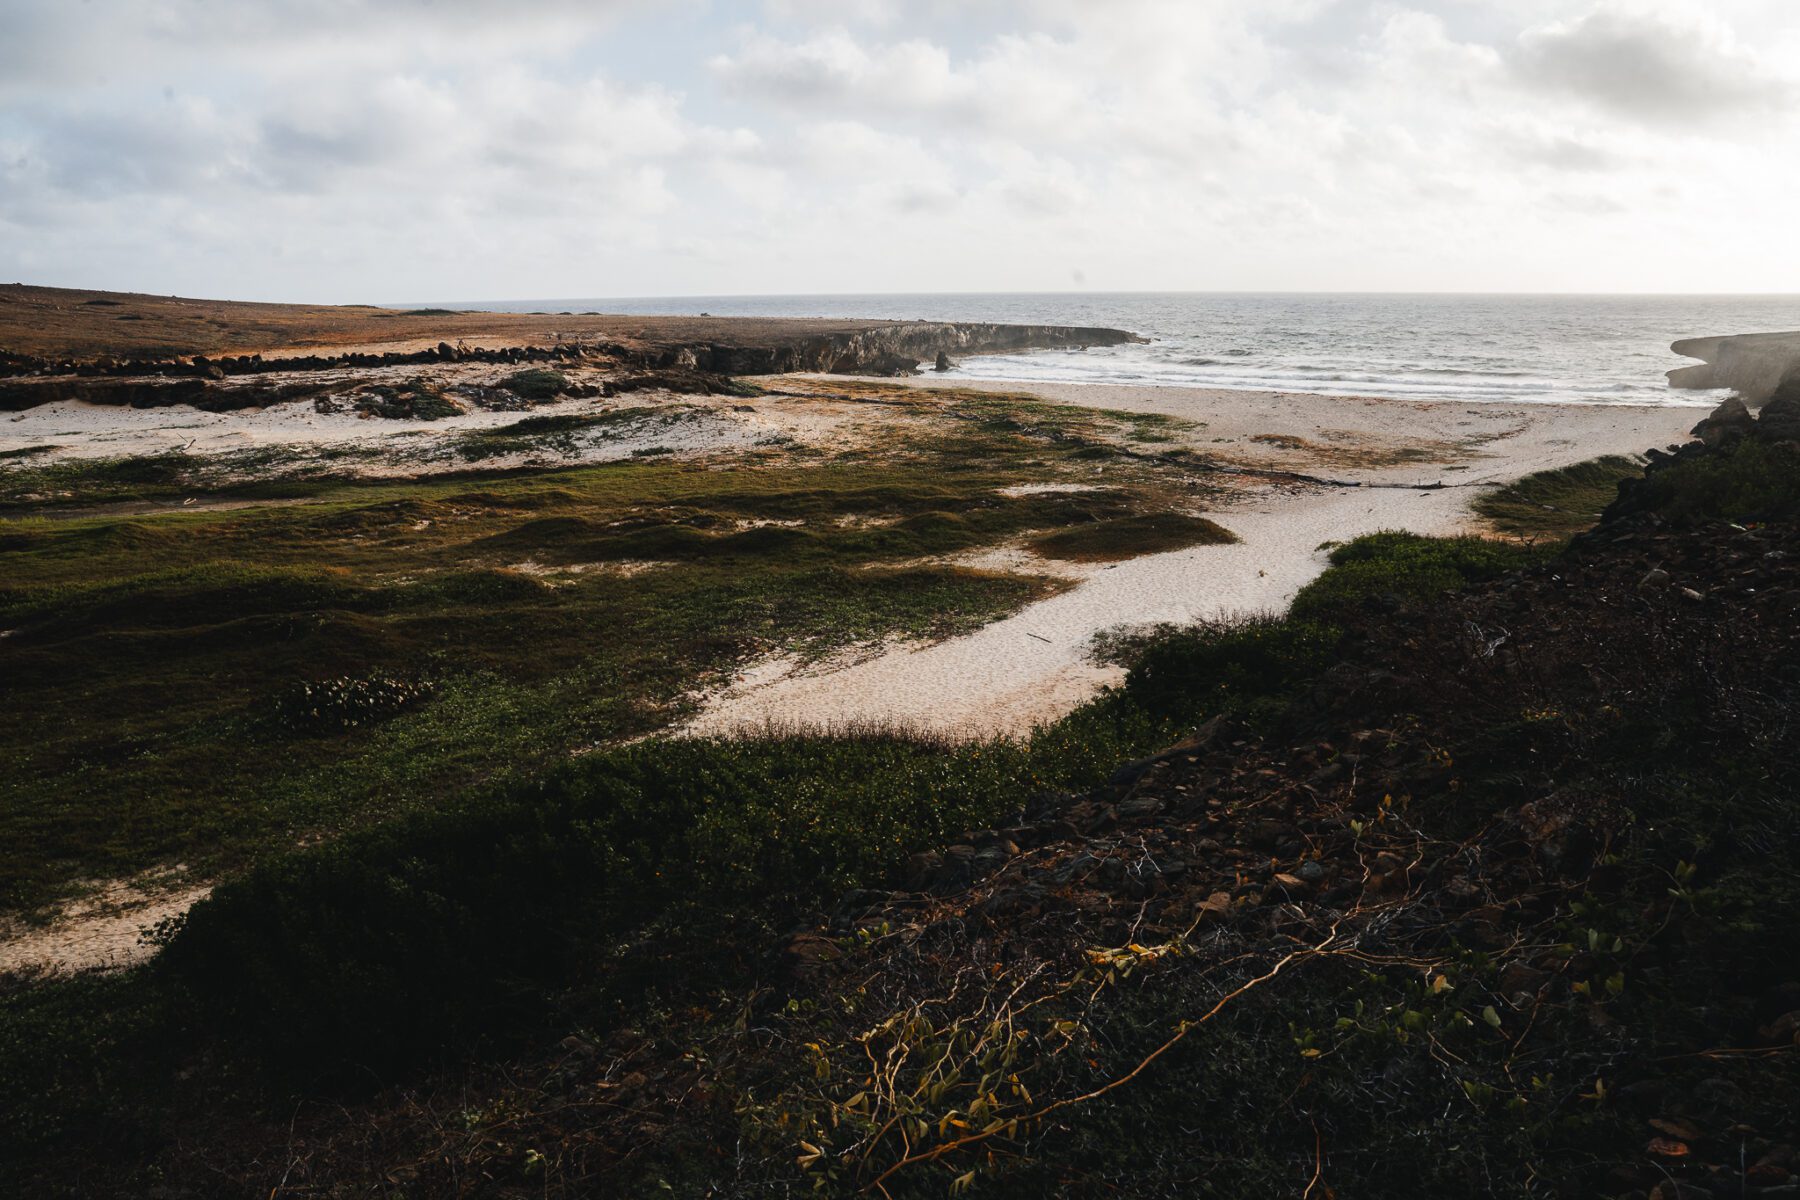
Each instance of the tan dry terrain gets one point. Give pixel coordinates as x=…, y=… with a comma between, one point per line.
x=69, y=323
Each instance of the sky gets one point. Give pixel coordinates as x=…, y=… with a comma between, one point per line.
x=415, y=150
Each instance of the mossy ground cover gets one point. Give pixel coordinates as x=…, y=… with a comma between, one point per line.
x=29, y=486
x=154, y=663
x=1558, y=503
x=1749, y=482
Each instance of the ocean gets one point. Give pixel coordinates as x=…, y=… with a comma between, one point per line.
x=1505, y=348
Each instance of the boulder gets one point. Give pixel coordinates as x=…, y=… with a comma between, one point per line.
x=943, y=362
x=1725, y=424
x=1780, y=417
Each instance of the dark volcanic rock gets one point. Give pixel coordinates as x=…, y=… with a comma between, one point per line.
x=1725, y=424
x=1780, y=417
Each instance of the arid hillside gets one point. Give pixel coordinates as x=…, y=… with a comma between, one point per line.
x=64, y=324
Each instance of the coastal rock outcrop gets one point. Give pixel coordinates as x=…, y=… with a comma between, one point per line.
x=1753, y=364
x=896, y=349
x=888, y=350
x=1780, y=418
x=1725, y=424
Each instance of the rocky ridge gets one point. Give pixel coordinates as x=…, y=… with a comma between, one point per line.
x=211, y=383
x=1752, y=363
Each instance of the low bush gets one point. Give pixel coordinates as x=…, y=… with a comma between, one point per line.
x=1128, y=537
x=623, y=878
x=654, y=865
x=536, y=383
x=1751, y=481
x=1392, y=567
x=645, y=867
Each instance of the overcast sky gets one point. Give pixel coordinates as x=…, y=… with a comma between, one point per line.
x=392, y=150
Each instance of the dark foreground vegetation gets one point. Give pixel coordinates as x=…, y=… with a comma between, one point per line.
x=1470, y=876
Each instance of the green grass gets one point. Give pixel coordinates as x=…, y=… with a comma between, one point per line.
x=1128, y=537
x=151, y=656
x=273, y=472
x=717, y=830
x=1557, y=503
x=603, y=890
x=1392, y=566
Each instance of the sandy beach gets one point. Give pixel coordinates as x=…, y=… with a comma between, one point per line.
x=1035, y=665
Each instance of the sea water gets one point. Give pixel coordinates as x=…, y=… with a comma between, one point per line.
x=1511, y=348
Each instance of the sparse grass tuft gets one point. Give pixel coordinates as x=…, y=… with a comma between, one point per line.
x=1558, y=503
x=1130, y=537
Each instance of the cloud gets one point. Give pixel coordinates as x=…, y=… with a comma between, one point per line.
x=1555, y=151
x=102, y=42
x=414, y=149
x=1680, y=67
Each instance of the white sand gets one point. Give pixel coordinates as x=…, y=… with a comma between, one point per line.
x=1033, y=666
x=102, y=931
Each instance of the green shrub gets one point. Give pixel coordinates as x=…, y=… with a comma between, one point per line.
x=649, y=864
x=664, y=859
x=1748, y=482
x=1128, y=537
x=536, y=383
x=1227, y=666
x=1406, y=566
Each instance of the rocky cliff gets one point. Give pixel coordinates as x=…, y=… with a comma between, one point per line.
x=720, y=346
x=897, y=349
x=1752, y=363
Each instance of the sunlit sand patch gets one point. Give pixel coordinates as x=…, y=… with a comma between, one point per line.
x=104, y=930
x=1010, y=559
x=1039, y=489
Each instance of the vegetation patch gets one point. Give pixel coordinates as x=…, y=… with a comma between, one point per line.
x=1391, y=568
x=26, y=451
x=536, y=383
x=184, y=631
x=1130, y=537
x=1751, y=481
x=622, y=882
x=415, y=400
x=345, y=703
x=1557, y=503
